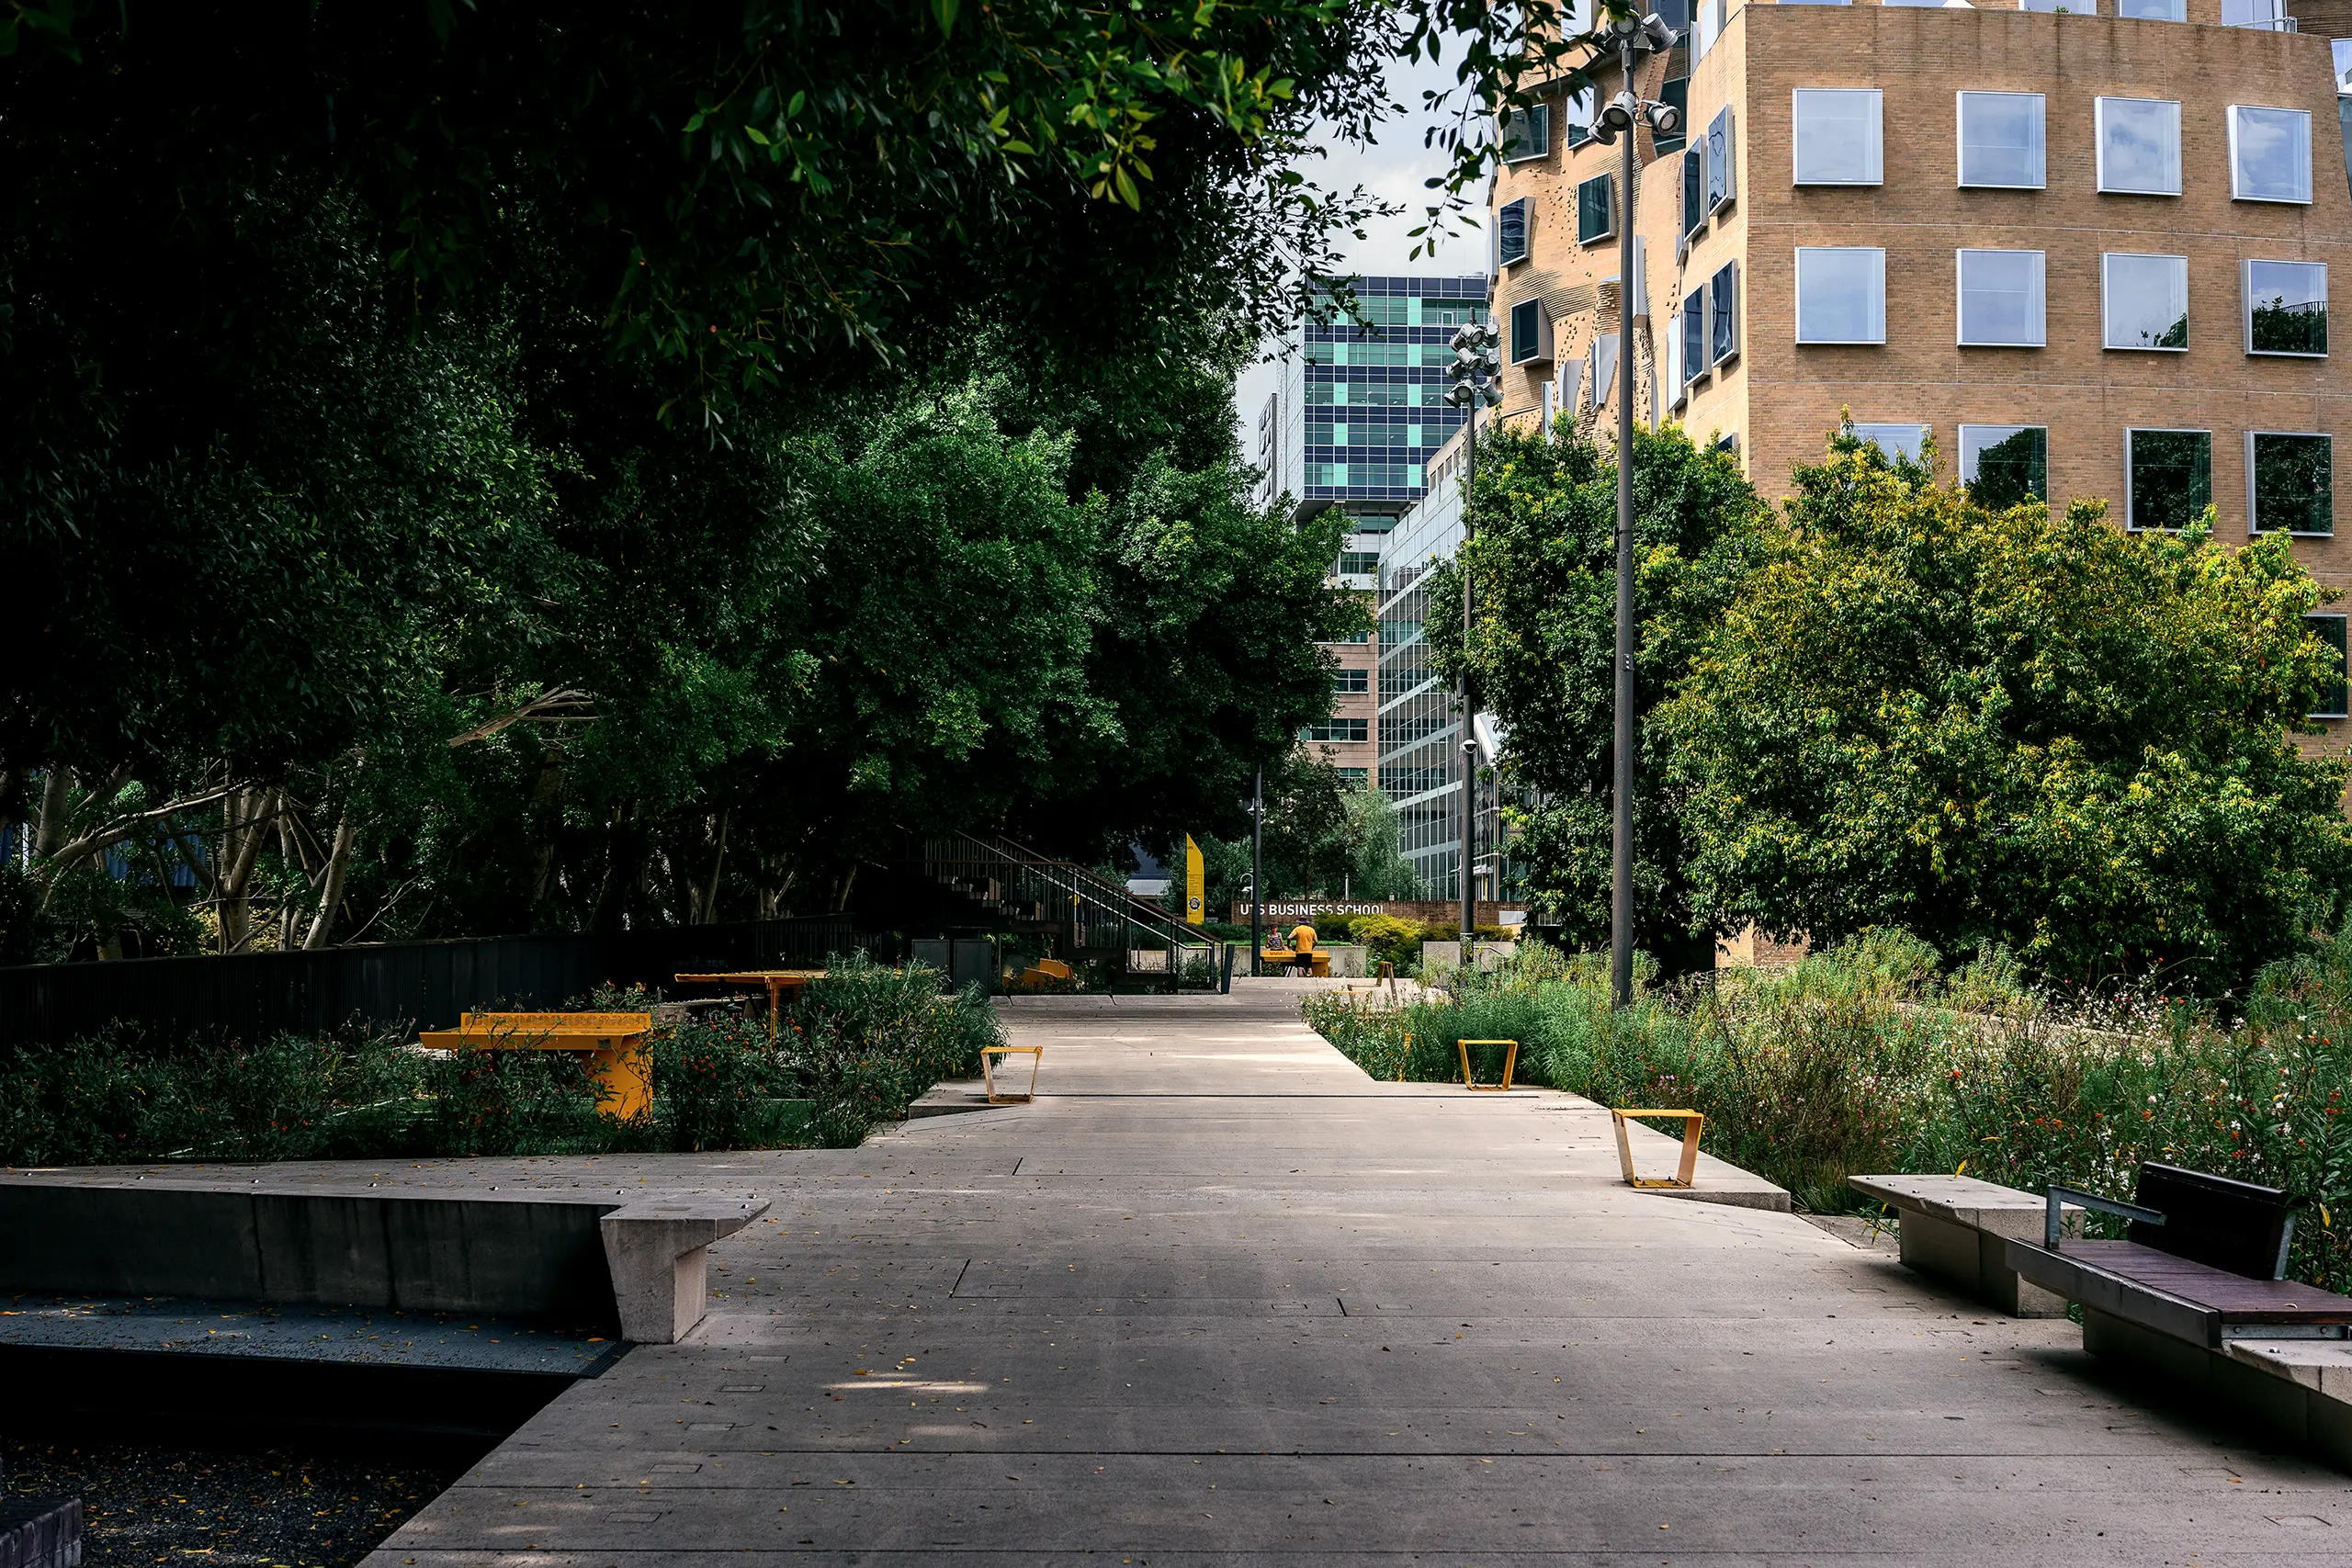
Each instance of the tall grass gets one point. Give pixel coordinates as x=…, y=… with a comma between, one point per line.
x=1875, y=1056
x=863, y=1042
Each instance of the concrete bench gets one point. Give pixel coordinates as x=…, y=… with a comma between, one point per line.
x=635, y=1263
x=2197, y=1296
x=1957, y=1228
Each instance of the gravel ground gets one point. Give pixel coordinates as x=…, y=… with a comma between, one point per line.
x=275, y=1508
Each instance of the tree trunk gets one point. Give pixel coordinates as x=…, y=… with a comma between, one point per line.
x=346, y=839
x=246, y=816
x=56, y=795
x=706, y=907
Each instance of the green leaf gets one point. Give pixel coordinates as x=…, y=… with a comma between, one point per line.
x=945, y=10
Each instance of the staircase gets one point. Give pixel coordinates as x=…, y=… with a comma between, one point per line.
x=1028, y=891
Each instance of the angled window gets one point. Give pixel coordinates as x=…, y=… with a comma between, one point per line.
x=1710, y=28
x=1596, y=209
x=1722, y=150
x=1677, y=93
x=2153, y=10
x=1525, y=133
x=1695, y=334
x=2138, y=146
x=2290, y=484
x=2001, y=140
x=1576, y=118
x=1677, y=392
x=2329, y=629
x=2270, y=155
x=1531, y=333
x=1904, y=441
x=2285, y=307
x=2167, y=477
x=1841, y=294
x=2269, y=14
x=1694, y=188
x=1834, y=136
x=1510, y=231
x=2001, y=299
x=2004, y=465
x=1723, y=314
x=2145, y=301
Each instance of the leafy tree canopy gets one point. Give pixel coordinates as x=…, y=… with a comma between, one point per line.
x=2011, y=727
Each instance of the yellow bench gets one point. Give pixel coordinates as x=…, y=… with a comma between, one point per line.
x=614, y=1044
x=775, y=982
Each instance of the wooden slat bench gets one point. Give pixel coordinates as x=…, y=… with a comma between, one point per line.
x=614, y=1044
x=2196, y=1293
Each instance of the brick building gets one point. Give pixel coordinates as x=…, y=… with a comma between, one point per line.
x=2088, y=253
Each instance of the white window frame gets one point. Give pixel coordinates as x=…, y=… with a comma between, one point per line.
x=1693, y=372
x=2105, y=257
x=1730, y=161
x=1960, y=139
x=2238, y=193
x=1603, y=347
x=1608, y=232
x=1874, y=133
x=2179, y=9
x=2343, y=684
x=1963, y=458
x=1797, y=301
x=1677, y=390
x=1868, y=430
x=2130, y=523
x=1538, y=116
x=1526, y=232
x=2099, y=118
x=2251, y=515
x=2245, y=303
x=2040, y=327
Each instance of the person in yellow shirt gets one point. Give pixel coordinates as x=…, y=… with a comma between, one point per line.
x=1302, y=938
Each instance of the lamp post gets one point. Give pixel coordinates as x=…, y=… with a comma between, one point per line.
x=1257, y=873
x=1627, y=109
x=1477, y=373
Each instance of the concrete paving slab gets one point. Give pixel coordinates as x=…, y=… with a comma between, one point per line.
x=1217, y=1298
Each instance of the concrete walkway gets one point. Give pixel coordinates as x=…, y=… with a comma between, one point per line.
x=1221, y=1299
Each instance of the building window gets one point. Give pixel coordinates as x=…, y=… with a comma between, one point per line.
x=1353, y=683
x=1531, y=333
x=1576, y=118
x=1343, y=641
x=2329, y=629
x=2270, y=14
x=2001, y=300
x=1904, y=441
x=2145, y=301
x=1721, y=189
x=2001, y=143
x=1695, y=334
x=2003, y=465
x=1510, y=231
x=1722, y=315
x=1354, y=776
x=2153, y=10
x=2138, y=146
x=1526, y=133
x=1677, y=93
x=2285, y=307
x=1834, y=136
x=2167, y=477
x=1336, y=732
x=2270, y=155
x=1359, y=564
x=1841, y=294
x=2290, y=482
x=1677, y=393
x=1596, y=209
x=1694, y=189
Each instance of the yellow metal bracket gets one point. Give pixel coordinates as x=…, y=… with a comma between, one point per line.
x=989, y=1055
x=1693, y=1124
x=1510, y=1061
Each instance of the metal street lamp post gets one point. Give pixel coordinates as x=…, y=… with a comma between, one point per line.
x=1257, y=873
x=1626, y=110
x=1477, y=373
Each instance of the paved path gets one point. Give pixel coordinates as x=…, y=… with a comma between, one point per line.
x=1223, y=1300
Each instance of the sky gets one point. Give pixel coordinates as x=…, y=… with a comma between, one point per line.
x=1393, y=168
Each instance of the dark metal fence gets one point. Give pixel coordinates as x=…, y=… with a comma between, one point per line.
x=392, y=985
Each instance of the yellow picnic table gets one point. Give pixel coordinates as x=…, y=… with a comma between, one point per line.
x=614, y=1044
x=775, y=982
x=1315, y=961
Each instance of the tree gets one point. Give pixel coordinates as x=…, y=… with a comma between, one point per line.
x=1542, y=651
x=2012, y=727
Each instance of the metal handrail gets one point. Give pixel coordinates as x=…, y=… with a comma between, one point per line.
x=1009, y=876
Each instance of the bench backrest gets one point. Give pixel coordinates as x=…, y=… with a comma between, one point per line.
x=2215, y=1221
